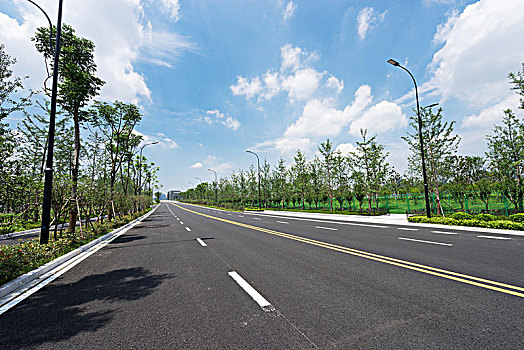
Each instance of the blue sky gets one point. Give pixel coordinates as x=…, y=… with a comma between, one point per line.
x=214, y=78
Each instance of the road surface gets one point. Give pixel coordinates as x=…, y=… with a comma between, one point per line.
x=196, y=278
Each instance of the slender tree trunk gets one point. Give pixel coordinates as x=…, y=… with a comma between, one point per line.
x=73, y=212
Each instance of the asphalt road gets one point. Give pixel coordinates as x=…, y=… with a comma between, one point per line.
x=312, y=284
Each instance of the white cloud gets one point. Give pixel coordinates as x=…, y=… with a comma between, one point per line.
x=173, y=6
x=290, y=57
x=346, y=148
x=490, y=115
x=362, y=100
x=480, y=49
x=302, y=84
x=197, y=165
x=367, y=19
x=272, y=86
x=295, y=77
x=289, y=11
x=120, y=42
x=163, y=141
x=335, y=84
x=380, y=118
x=246, y=87
x=221, y=118
x=319, y=118
x=288, y=145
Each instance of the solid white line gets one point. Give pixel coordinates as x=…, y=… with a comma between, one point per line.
x=445, y=232
x=327, y=228
x=201, y=242
x=260, y=300
x=494, y=237
x=407, y=229
x=187, y=228
x=282, y=222
x=421, y=241
x=257, y=219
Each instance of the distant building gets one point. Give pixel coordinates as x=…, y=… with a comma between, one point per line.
x=174, y=195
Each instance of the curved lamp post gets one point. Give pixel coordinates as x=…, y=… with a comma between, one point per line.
x=140, y=166
x=426, y=191
x=258, y=164
x=199, y=179
x=48, y=171
x=216, y=185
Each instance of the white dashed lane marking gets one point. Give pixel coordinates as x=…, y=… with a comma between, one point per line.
x=327, y=228
x=445, y=232
x=494, y=237
x=422, y=241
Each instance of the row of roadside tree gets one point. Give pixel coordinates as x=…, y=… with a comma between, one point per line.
x=364, y=180
x=97, y=172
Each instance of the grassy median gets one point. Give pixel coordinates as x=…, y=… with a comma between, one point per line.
x=18, y=259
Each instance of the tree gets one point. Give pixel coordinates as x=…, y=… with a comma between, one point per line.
x=517, y=79
x=77, y=85
x=301, y=176
x=281, y=174
x=116, y=122
x=341, y=179
x=370, y=160
x=439, y=143
x=9, y=86
x=10, y=170
x=327, y=151
x=315, y=176
x=506, y=156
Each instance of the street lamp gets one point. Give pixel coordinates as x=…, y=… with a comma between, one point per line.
x=258, y=164
x=426, y=191
x=140, y=166
x=199, y=179
x=48, y=171
x=216, y=185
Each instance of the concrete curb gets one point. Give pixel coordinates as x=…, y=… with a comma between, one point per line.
x=19, y=234
x=23, y=280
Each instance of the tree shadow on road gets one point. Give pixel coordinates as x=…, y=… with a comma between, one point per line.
x=61, y=311
x=127, y=239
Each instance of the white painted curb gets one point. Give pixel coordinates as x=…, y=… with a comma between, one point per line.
x=23, y=280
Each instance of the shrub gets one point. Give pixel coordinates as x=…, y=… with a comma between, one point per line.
x=517, y=217
x=461, y=216
x=474, y=222
x=505, y=225
x=486, y=217
x=17, y=259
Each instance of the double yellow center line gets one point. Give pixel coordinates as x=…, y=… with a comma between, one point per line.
x=455, y=276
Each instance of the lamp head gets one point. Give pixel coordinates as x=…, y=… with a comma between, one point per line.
x=393, y=62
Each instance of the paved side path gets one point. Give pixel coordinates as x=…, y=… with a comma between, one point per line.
x=392, y=219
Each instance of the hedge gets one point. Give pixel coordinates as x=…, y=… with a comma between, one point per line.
x=18, y=259
x=481, y=220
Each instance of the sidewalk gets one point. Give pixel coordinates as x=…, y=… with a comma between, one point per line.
x=391, y=219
